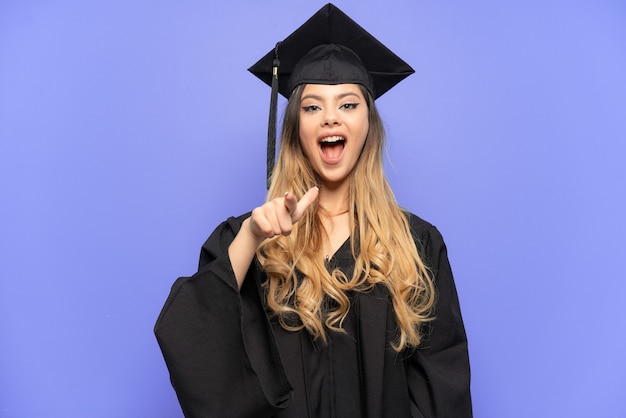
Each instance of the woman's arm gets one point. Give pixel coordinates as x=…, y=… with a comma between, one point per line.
x=275, y=217
x=438, y=372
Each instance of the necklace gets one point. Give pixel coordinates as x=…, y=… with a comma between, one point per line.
x=332, y=215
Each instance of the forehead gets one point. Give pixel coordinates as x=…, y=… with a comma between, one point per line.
x=331, y=90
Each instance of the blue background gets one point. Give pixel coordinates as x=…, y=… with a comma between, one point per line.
x=130, y=129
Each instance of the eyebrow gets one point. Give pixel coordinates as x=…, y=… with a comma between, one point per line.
x=338, y=96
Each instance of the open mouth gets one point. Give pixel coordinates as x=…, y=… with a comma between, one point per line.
x=332, y=146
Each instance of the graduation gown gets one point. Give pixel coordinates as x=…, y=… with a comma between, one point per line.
x=227, y=359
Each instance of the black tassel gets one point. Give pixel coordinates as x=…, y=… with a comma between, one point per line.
x=271, y=128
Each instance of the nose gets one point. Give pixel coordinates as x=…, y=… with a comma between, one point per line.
x=331, y=117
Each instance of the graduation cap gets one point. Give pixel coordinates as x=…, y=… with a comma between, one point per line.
x=329, y=48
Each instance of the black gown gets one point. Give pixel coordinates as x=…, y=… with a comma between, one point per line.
x=227, y=358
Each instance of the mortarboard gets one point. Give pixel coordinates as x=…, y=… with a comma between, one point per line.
x=329, y=48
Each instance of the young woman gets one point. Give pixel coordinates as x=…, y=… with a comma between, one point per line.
x=329, y=300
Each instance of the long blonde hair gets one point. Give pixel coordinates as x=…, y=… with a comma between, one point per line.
x=297, y=278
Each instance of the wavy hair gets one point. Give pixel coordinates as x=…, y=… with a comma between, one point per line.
x=297, y=279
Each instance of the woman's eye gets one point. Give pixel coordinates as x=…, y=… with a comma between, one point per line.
x=349, y=106
x=310, y=108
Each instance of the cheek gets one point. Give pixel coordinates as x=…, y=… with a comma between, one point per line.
x=364, y=133
x=308, y=140
x=306, y=145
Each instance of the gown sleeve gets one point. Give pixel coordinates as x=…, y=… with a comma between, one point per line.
x=217, y=342
x=438, y=373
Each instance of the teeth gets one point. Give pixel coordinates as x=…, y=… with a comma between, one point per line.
x=330, y=139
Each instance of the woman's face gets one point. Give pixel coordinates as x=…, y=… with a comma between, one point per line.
x=333, y=127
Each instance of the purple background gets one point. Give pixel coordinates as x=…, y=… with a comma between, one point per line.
x=130, y=129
